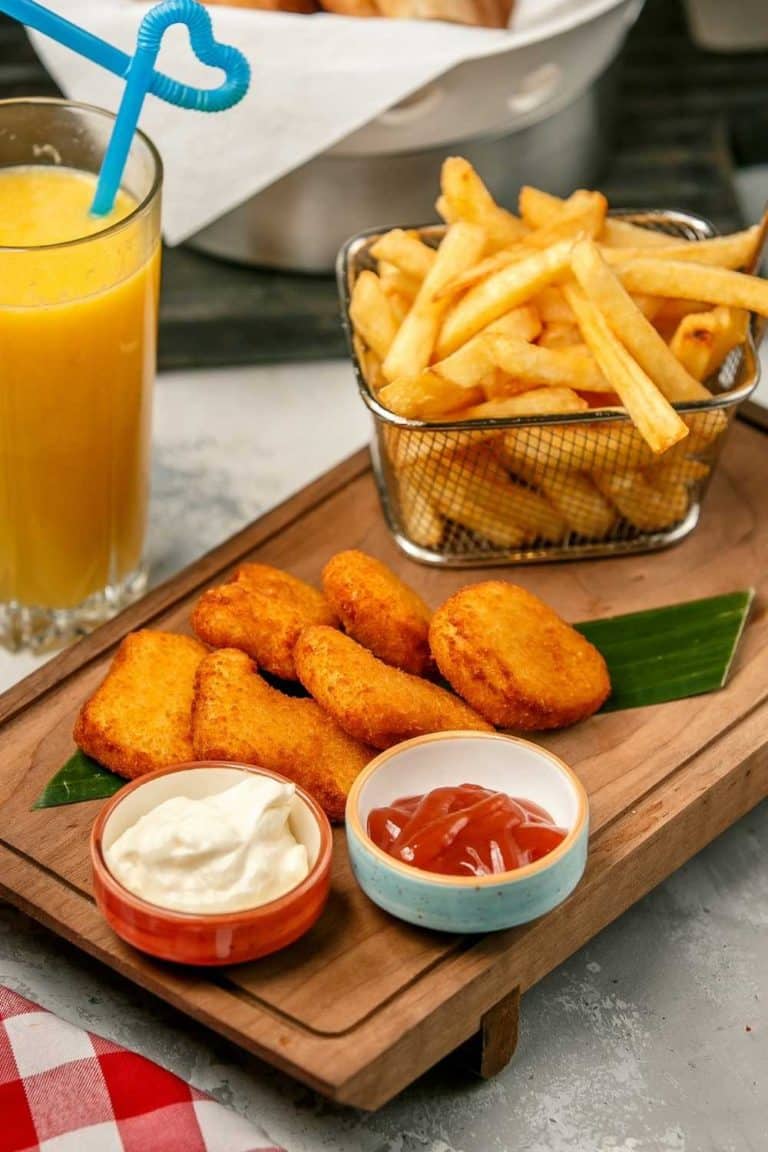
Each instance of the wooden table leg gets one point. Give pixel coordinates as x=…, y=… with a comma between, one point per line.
x=491, y=1049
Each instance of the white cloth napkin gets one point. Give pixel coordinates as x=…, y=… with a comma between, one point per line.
x=315, y=80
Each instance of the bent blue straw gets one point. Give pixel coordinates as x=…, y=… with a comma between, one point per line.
x=140, y=74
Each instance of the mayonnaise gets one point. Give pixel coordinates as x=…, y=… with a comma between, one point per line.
x=223, y=853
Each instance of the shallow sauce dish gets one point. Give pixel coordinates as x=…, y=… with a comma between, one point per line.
x=457, y=903
x=208, y=939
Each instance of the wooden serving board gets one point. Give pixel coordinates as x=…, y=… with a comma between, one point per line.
x=365, y=1004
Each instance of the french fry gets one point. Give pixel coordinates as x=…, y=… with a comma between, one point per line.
x=553, y=307
x=660, y=277
x=534, y=402
x=393, y=281
x=559, y=336
x=470, y=200
x=403, y=249
x=733, y=251
x=471, y=363
x=412, y=347
x=683, y=471
x=498, y=385
x=523, y=323
x=501, y=292
x=446, y=211
x=602, y=400
x=408, y=448
x=703, y=340
x=672, y=311
x=538, y=208
x=427, y=396
x=582, y=214
x=421, y=519
x=606, y=447
x=372, y=313
x=650, y=306
x=558, y=367
x=704, y=428
x=622, y=234
x=541, y=210
x=478, y=492
x=656, y=420
x=400, y=305
x=631, y=327
x=485, y=268
x=372, y=369
x=580, y=502
x=650, y=507
x=576, y=497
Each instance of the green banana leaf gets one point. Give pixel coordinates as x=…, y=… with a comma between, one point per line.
x=654, y=656
x=670, y=653
x=81, y=778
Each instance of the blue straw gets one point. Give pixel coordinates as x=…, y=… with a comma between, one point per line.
x=140, y=74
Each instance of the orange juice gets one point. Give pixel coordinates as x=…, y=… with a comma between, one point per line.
x=78, y=309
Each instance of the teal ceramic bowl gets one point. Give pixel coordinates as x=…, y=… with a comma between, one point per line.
x=458, y=903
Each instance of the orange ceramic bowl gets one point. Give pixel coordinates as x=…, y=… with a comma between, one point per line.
x=206, y=938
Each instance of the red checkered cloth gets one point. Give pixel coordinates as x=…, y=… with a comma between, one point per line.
x=66, y=1090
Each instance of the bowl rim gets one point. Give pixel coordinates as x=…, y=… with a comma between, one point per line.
x=212, y=919
x=354, y=823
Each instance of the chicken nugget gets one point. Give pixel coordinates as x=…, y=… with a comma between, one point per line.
x=261, y=612
x=514, y=660
x=139, y=718
x=370, y=700
x=379, y=610
x=238, y=716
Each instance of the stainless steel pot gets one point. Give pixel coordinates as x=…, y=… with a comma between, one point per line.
x=301, y=221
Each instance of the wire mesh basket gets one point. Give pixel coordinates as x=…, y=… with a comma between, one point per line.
x=530, y=489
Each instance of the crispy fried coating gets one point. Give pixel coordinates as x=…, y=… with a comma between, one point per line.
x=379, y=610
x=261, y=612
x=370, y=700
x=514, y=660
x=139, y=718
x=238, y=716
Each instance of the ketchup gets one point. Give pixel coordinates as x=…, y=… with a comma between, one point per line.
x=464, y=831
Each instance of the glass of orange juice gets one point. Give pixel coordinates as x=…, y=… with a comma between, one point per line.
x=78, y=325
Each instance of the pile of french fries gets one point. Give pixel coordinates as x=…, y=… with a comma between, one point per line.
x=560, y=309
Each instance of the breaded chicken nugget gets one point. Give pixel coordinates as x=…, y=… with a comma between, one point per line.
x=512, y=657
x=371, y=701
x=261, y=612
x=139, y=718
x=238, y=716
x=379, y=610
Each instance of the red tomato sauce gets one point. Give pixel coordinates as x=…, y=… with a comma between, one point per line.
x=464, y=831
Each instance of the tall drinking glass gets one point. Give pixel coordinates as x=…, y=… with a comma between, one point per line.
x=78, y=324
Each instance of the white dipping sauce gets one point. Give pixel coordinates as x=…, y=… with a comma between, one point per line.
x=223, y=853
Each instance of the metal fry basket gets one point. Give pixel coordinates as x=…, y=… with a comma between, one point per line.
x=529, y=489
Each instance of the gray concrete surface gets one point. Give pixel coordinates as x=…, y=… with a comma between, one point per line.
x=654, y=1037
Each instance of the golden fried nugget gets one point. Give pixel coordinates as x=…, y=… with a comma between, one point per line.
x=379, y=610
x=373, y=702
x=261, y=612
x=238, y=716
x=139, y=718
x=512, y=657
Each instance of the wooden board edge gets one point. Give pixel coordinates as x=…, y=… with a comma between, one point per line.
x=374, y=1062
x=64, y=905
x=696, y=825
x=224, y=555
